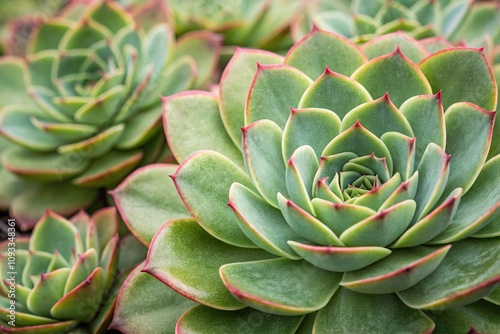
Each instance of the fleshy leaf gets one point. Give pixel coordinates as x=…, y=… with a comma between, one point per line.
x=468, y=136
x=340, y=216
x=386, y=73
x=385, y=44
x=382, y=228
x=478, y=207
x=275, y=88
x=426, y=117
x=280, y=286
x=33, y=203
x=205, y=320
x=378, y=117
x=234, y=85
x=312, y=53
x=147, y=199
x=300, y=172
x=433, y=172
x=172, y=249
x=261, y=223
x=479, y=317
x=204, y=47
x=359, y=312
x=402, y=149
x=360, y=141
x=432, y=224
x=192, y=123
x=77, y=304
x=314, y=127
x=206, y=194
x=137, y=307
x=53, y=232
x=306, y=225
x=339, y=259
x=262, y=156
x=402, y=269
x=444, y=69
x=464, y=276
x=334, y=92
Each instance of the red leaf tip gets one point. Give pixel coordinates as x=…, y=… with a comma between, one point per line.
x=357, y=124
x=398, y=50
x=438, y=96
x=314, y=28
x=327, y=71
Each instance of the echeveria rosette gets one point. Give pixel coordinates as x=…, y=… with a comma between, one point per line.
x=354, y=198
x=82, y=109
x=66, y=274
x=362, y=20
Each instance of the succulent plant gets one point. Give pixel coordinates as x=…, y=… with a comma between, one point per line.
x=261, y=24
x=369, y=208
x=362, y=20
x=82, y=109
x=65, y=277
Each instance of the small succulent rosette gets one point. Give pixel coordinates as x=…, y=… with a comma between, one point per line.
x=361, y=20
x=65, y=278
x=82, y=109
x=368, y=207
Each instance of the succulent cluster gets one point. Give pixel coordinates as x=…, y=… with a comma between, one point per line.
x=82, y=109
x=360, y=196
x=361, y=20
x=256, y=23
x=64, y=277
x=347, y=183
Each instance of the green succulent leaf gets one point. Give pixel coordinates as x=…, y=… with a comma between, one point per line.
x=461, y=65
x=426, y=117
x=234, y=85
x=262, y=149
x=253, y=283
x=378, y=117
x=33, y=203
x=172, y=250
x=358, y=309
x=478, y=207
x=146, y=203
x=198, y=45
x=400, y=270
x=262, y=224
x=199, y=112
x=305, y=224
x=469, y=131
x=464, y=276
x=137, y=308
x=386, y=44
x=315, y=50
x=385, y=74
x=205, y=320
x=208, y=204
x=480, y=316
x=334, y=92
x=274, y=90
